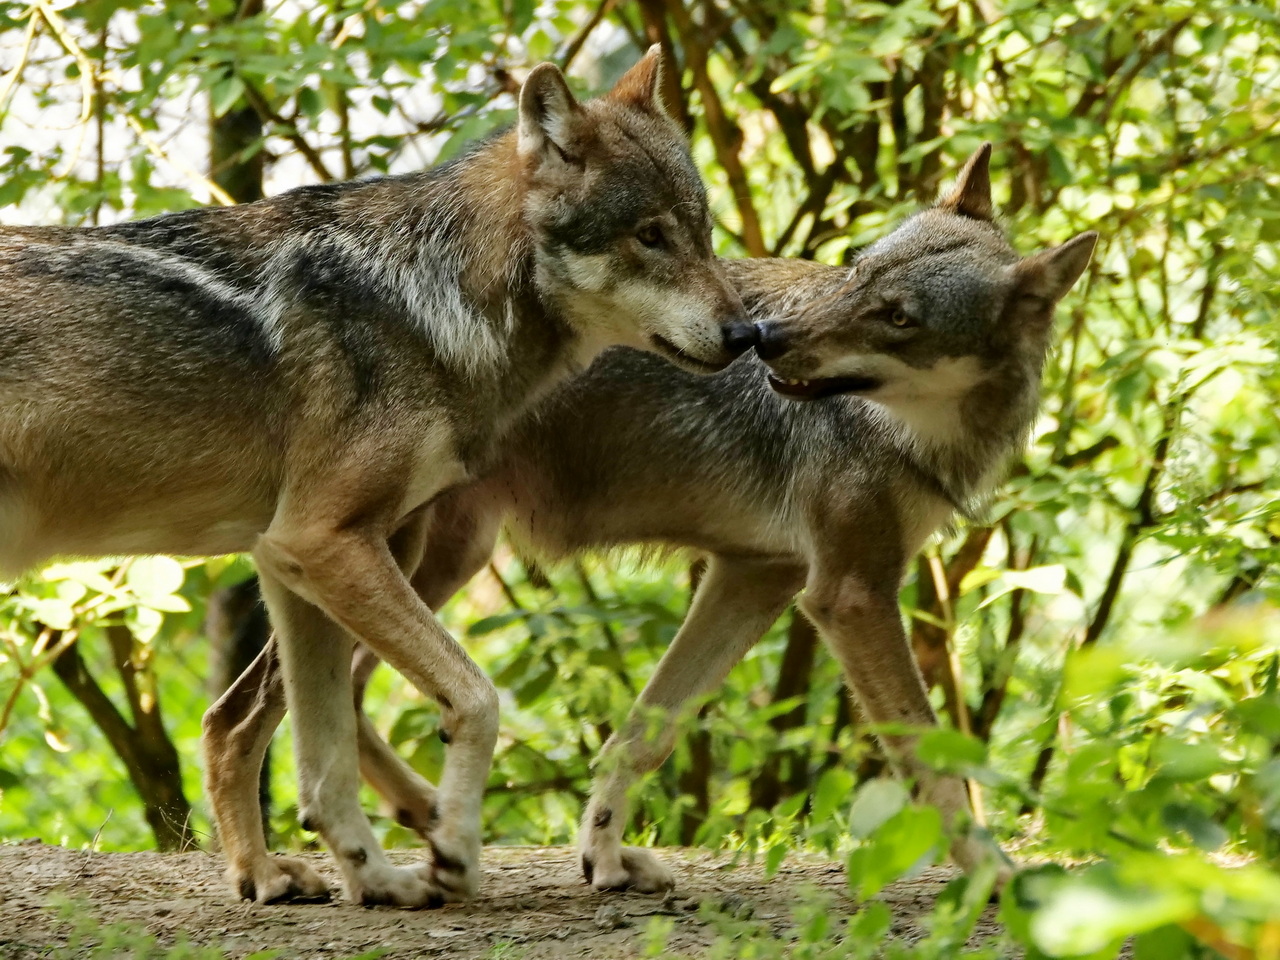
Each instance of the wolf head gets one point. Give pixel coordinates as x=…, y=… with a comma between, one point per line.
x=929, y=311
x=620, y=220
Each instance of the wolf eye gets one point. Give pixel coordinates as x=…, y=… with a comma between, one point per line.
x=899, y=318
x=650, y=235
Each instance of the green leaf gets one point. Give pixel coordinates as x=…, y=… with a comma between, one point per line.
x=225, y=94
x=874, y=803
x=833, y=790
x=1185, y=761
x=154, y=577
x=950, y=750
x=1093, y=912
x=773, y=858
x=909, y=840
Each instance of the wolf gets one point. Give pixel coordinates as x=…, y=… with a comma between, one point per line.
x=300, y=377
x=885, y=401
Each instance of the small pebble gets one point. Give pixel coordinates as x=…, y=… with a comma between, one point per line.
x=609, y=917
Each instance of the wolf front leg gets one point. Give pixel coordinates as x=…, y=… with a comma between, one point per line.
x=737, y=601
x=315, y=656
x=348, y=570
x=234, y=737
x=459, y=533
x=853, y=600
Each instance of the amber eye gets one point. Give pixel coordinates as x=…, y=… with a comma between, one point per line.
x=899, y=318
x=651, y=235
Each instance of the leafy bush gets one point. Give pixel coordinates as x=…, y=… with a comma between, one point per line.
x=1102, y=644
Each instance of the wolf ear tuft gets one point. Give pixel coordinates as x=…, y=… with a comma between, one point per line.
x=1049, y=274
x=641, y=86
x=971, y=196
x=548, y=113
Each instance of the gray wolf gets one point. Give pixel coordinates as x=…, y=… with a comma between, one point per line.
x=891, y=396
x=301, y=376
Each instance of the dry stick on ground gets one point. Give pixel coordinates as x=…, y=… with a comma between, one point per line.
x=996, y=684
x=1143, y=514
x=931, y=624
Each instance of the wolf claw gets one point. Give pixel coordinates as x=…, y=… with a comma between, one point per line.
x=634, y=869
x=277, y=880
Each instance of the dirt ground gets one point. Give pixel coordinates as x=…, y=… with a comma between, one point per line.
x=532, y=898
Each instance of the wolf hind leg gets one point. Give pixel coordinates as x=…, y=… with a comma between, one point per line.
x=410, y=796
x=234, y=737
x=239, y=726
x=737, y=601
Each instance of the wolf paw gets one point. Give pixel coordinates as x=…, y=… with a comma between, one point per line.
x=635, y=869
x=388, y=886
x=276, y=879
x=454, y=869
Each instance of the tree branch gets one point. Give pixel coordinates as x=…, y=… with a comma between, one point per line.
x=724, y=133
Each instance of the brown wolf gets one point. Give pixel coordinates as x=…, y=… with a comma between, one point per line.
x=301, y=376
x=922, y=366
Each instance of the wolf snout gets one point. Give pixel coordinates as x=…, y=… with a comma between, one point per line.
x=771, y=340
x=739, y=337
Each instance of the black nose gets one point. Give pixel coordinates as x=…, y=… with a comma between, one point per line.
x=739, y=337
x=771, y=341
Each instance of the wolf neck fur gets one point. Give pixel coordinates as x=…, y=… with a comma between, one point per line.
x=991, y=422
x=458, y=254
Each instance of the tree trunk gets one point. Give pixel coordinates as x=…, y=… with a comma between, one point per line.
x=149, y=755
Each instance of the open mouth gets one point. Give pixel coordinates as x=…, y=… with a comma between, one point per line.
x=673, y=352
x=817, y=389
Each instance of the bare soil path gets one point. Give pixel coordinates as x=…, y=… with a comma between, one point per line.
x=533, y=906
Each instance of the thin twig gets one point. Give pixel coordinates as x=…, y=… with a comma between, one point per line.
x=158, y=151
x=574, y=47
x=287, y=129
x=11, y=78
x=88, y=73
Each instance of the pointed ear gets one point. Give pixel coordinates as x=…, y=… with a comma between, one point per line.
x=1048, y=275
x=641, y=86
x=548, y=113
x=971, y=196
